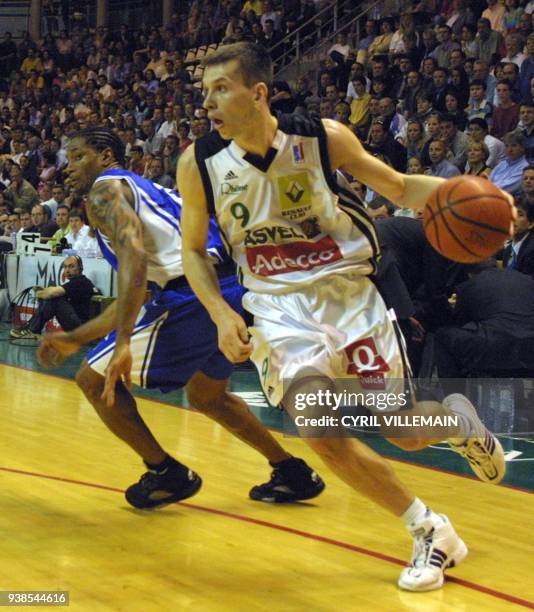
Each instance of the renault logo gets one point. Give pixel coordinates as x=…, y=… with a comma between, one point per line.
x=295, y=191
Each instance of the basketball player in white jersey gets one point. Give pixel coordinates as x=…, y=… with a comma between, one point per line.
x=166, y=343
x=304, y=250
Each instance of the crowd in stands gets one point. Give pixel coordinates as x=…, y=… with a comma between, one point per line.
x=439, y=87
x=133, y=81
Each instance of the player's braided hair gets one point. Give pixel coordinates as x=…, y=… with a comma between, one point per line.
x=101, y=139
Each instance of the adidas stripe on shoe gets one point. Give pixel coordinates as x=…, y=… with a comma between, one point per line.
x=436, y=547
x=481, y=448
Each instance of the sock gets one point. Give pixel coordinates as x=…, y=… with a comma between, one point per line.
x=415, y=513
x=168, y=462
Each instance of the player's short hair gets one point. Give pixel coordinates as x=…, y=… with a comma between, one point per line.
x=254, y=63
x=101, y=139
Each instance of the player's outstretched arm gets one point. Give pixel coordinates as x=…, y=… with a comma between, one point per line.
x=347, y=153
x=198, y=268
x=110, y=209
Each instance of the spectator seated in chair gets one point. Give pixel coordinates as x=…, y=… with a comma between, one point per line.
x=518, y=254
x=69, y=303
x=62, y=219
x=42, y=223
x=493, y=327
x=508, y=173
x=80, y=237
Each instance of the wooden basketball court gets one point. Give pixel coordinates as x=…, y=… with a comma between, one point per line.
x=65, y=524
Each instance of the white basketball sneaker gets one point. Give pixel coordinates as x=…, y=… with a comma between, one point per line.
x=481, y=448
x=436, y=547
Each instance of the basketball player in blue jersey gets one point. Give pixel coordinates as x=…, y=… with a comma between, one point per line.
x=166, y=343
x=305, y=249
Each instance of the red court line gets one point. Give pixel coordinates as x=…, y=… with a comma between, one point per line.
x=304, y=534
x=390, y=457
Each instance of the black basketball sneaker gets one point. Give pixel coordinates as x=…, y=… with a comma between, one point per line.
x=160, y=488
x=291, y=480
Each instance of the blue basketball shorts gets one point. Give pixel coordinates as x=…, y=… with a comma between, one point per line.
x=173, y=338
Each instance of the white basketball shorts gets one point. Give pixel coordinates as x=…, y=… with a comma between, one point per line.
x=338, y=327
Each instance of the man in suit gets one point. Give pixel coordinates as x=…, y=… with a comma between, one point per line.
x=429, y=278
x=414, y=280
x=519, y=253
x=493, y=325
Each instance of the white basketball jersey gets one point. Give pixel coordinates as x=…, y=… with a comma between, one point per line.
x=285, y=219
x=160, y=211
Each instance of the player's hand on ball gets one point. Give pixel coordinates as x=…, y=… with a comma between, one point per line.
x=234, y=342
x=468, y=219
x=55, y=348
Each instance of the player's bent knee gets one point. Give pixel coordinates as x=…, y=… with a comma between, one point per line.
x=89, y=381
x=206, y=403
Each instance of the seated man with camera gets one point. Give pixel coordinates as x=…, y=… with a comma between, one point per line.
x=69, y=303
x=59, y=240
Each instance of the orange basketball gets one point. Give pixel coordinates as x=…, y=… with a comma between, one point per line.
x=467, y=219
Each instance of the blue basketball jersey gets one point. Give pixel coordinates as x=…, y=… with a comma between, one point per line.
x=159, y=210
